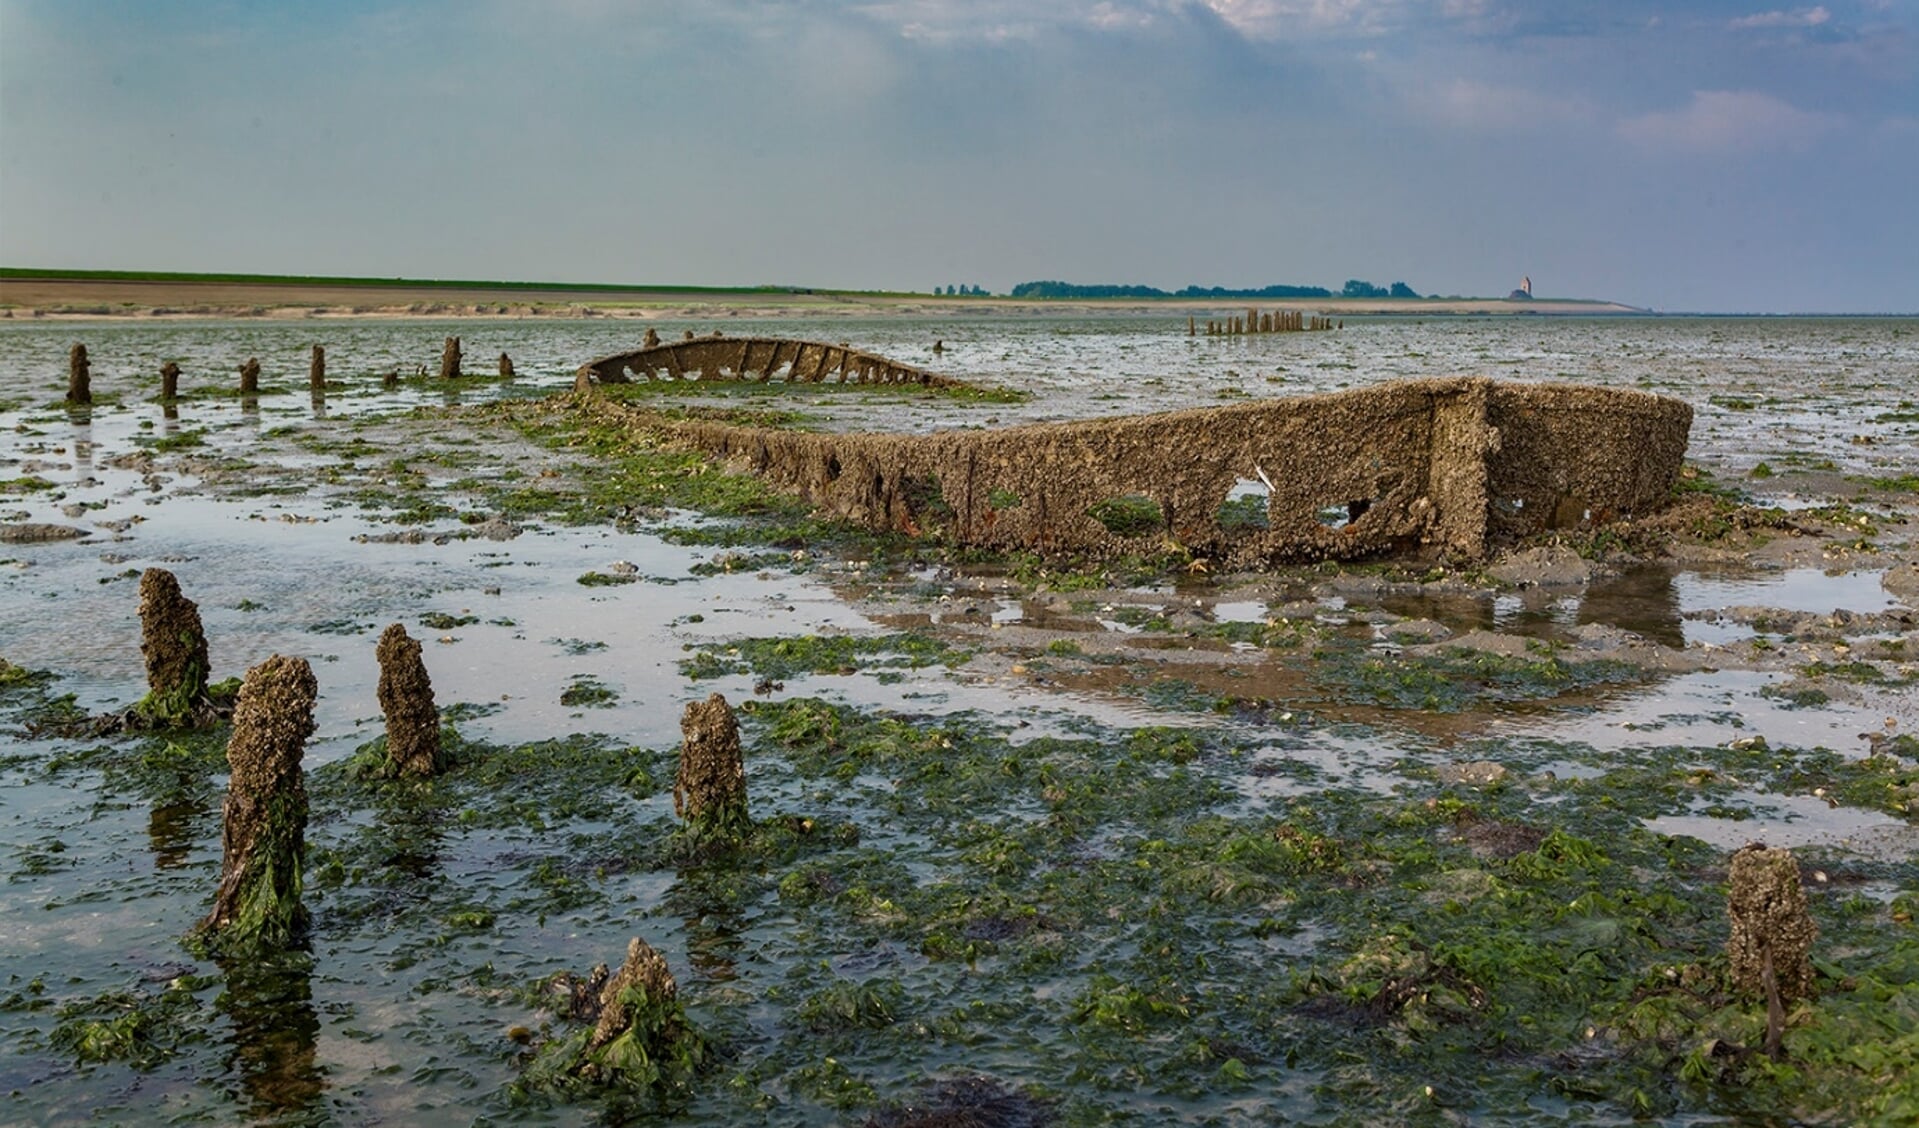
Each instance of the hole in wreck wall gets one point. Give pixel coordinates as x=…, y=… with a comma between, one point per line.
x=1129, y=516
x=1245, y=506
x=924, y=498
x=1345, y=513
x=832, y=468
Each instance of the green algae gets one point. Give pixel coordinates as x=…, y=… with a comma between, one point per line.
x=1108, y=910
x=781, y=658
x=1457, y=678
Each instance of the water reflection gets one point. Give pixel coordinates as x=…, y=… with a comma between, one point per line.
x=171, y=832
x=275, y=1032
x=1643, y=600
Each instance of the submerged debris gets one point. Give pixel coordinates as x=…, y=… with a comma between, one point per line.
x=968, y=1102
x=263, y=835
x=1772, y=933
x=709, y=791
x=406, y=697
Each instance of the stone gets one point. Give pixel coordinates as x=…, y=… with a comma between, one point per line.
x=1545, y=566
x=406, y=697
x=34, y=532
x=1472, y=773
x=709, y=789
x=1902, y=580
x=79, y=376
x=263, y=832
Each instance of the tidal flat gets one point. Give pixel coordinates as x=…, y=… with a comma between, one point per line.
x=1039, y=840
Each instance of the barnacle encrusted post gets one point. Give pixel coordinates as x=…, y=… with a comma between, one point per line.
x=709, y=790
x=316, y=371
x=642, y=1038
x=263, y=835
x=175, y=648
x=406, y=697
x=1770, y=949
x=79, y=378
x=450, y=359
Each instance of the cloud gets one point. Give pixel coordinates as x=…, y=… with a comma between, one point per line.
x=1275, y=19
x=1466, y=103
x=1802, y=17
x=1729, y=121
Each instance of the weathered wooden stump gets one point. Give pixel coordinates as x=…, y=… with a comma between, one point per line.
x=406, y=697
x=652, y=339
x=79, y=376
x=263, y=833
x=1770, y=949
x=250, y=377
x=641, y=1037
x=506, y=367
x=316, y=371
x=174, y=645
x=709, y=790
x=450, y=359
x=169, y=381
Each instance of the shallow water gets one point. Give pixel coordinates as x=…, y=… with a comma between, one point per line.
x=385, y=1037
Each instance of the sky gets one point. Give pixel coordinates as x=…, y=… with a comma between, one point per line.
x=1723, y=156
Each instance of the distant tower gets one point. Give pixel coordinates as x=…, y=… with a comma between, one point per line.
x=1526, y=284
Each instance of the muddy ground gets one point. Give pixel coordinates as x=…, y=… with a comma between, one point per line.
x=1078, y=841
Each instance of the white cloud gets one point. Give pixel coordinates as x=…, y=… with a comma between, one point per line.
x=1724, y=121
x=1279, y=19
x=1801, y=17
x=1466, y=103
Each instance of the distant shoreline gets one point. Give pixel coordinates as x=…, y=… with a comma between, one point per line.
x=85, y=295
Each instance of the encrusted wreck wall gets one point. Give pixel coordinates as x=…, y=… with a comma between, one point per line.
x=756, y=358
x=1447, y=465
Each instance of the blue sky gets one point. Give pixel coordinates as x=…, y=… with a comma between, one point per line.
x=1707, y=156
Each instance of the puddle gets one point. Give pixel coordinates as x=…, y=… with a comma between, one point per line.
x=1792, y=821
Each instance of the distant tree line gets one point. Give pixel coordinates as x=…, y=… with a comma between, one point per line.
x=1354, y=289
x=961, y=291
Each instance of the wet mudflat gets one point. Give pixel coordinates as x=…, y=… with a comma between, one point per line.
x=1045, y=841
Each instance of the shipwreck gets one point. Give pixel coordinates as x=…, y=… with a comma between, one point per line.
x=1449, y=467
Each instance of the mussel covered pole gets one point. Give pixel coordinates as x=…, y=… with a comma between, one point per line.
x=406, y=697
x=263, y=831
x=79, y=376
